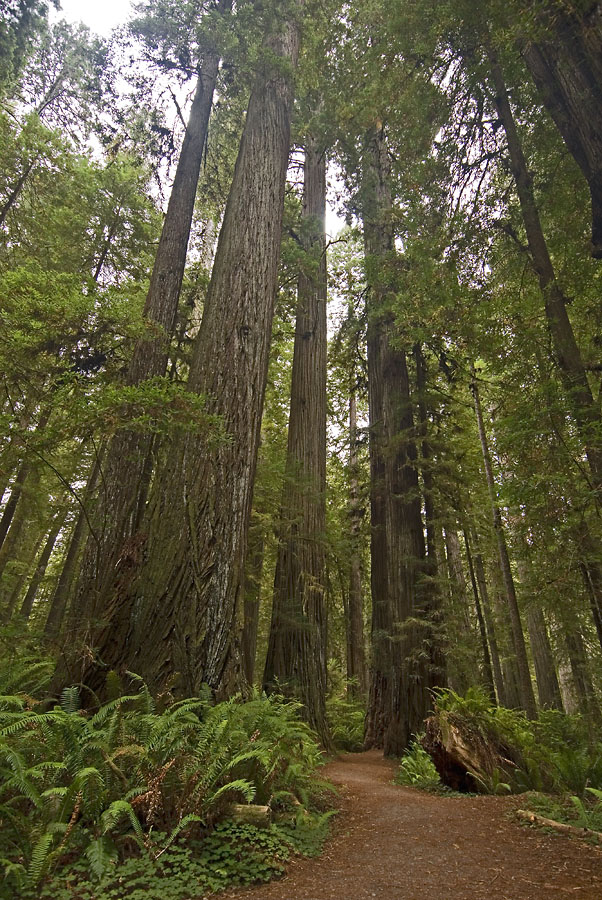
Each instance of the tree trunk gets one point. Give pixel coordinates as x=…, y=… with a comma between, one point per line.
x=401, y=653
x=487, y=667
x=548, y=687
x=296, y=659
x=433, y=588
x=579, y=394
x=127, y=459
x=489, y=621
x=184, y=591
x=566, y=66
x=60, y=597
x=582, y=679
x=356, y=656
x=252, y=596
x=42, y=565
x=527, y=696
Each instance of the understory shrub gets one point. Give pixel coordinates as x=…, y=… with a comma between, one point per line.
x=417, y=769
x=555, y=753
x=346, y=719
x=129, y=781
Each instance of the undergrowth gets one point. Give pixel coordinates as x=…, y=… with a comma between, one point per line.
x=556, y=754
x=106, y=800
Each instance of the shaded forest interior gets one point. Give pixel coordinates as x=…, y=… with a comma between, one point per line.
x=246, y=452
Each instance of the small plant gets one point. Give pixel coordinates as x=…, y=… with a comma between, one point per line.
x=346, y=720
x=417, y=769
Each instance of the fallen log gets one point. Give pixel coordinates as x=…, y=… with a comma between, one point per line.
x=528, y=816
x=250, y=814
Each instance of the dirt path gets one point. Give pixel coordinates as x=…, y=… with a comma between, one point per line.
x=397, y=843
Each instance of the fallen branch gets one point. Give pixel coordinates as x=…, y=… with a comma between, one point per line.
x=528, y=816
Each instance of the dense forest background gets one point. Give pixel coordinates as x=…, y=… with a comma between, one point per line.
x=206, y=481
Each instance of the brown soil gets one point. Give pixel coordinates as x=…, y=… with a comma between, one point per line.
x=399, y=843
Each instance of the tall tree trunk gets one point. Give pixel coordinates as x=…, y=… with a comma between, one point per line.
x=378, y=244
x=489, y=620
x=400, y=654
x=572, y=370
x=11, y=604
x=356, y=656
x=184, y=591
x=459, y=627
x=252, y=596
x=487, y=667
x=42, y=564
x=567, y=69
x=433, y=588
x=548, y=687
x=296, y=659
x=582, y=679
x=62, y=591
x=128, y=455
x=527, y=696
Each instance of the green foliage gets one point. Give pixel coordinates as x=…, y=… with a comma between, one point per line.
x=346, y=721
x=555, y=752
x=417, y=769
x=129, y=778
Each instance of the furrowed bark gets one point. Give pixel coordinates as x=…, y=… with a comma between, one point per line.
x=296, y=658
x=183, y=592
x=116, y=541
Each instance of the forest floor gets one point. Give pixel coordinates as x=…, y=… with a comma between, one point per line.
x=399, y=843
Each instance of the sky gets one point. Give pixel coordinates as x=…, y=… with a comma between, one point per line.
x=99, y=15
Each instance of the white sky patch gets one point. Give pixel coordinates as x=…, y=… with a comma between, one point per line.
x=101, y=16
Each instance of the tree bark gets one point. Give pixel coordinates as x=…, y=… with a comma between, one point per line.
x=401, y=653
x=487, y=667
x=527, y=696
x=62, y=592
x=548, y=687
x=252, y=596
x=176, y=602
x=489, y=621
x=356, y=655
x=117, y=515
x=296, y=658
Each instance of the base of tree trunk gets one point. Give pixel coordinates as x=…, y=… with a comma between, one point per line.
x=465, y=759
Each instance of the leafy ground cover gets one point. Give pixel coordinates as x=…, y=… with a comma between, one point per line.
x=134, y=797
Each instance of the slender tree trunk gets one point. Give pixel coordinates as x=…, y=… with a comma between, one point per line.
x=16, y=191
x=567, y=69
x=526, y=688
x=489, y=621
x=8, y=611
x=548, y=687
x=356, y=656
x=582, y=679
x=433, y=588
x=579, y=394
x=296, y=659
x=117, y=540
x=42, y=565
x=62, y=592
x=487, y=667
x=185, y=589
